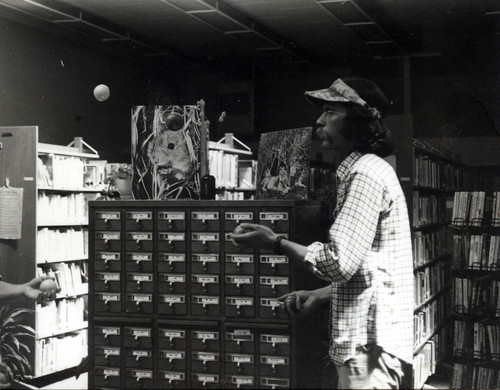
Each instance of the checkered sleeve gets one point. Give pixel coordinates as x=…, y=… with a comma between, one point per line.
x=353, y=232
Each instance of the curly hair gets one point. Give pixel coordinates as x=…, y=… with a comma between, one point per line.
x=364, y=124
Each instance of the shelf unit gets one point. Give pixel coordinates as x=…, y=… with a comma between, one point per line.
x=235, y=177
x=434, y=179
x=476, y=289
x=53, y=241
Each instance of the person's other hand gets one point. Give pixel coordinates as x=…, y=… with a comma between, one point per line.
x=249, y=235
x=300, y=303
x=35, y=291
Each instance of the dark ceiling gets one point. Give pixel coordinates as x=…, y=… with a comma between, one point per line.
x=263, y=33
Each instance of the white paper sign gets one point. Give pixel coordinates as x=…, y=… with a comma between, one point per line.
x=11, y=213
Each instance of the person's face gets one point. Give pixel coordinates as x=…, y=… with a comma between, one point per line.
x=331, y=126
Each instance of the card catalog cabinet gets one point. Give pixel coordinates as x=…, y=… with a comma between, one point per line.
x=175, y=304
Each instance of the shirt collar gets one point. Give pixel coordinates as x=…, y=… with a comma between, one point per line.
x=346, y=165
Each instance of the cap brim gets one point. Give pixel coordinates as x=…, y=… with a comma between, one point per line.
x=322, y=96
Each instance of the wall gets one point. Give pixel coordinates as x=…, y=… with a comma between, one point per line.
x=47, y=80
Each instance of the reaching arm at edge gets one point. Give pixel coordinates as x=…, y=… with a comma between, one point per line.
x=9, y=291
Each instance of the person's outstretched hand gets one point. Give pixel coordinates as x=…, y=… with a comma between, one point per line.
x=300, y=303
x=250, y=235
x=41, y=288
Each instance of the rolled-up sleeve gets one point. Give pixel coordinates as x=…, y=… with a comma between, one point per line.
x=352, y=233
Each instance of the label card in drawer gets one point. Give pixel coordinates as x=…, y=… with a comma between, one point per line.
x=172, y=236
x=274, y=360
x=141, y=353
x=172, y=375
x=204, y=335
x=206, y=378
x=107, y=297
x=240, y=380
x=172, y=334
x=209, y=258
x=205, y=215
x=205, y=237
x=107, y=235
x=108, y=351
x=138, y=256
x=239, y=216
x=274, y=280
x=270, y=302
x=274, y=339
x=107, y=215
x=273, y=216
x=172, y=355
x=239, y=301
x=172, y=215
x=111, y=372
x=238, y=280
x=239, y=358
x=239, y=259
x=206, y=356
x=172, y=257
x=136, y=277
x=142, y=374
x=138, y=332
x=139, y=298
x=172, y=278
x=139, y=215
x=108, y=330
x=139, y=236
x=240, y=335
x=107, y=255
x=165, y=298
x=273, y=259
x=205, y=300
x=274, y=382
x=108, y=276
x=205, y=279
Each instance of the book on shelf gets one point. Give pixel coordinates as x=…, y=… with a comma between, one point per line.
x=55, y=354
x=43, y=175
x=480, y=296
x=65, y=172
x=230, y=172
x=495, y=209
x=476, y=251
x=247, y=174
x=472, y=208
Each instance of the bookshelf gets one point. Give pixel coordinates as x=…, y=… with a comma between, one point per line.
x=476, y=282
x=435, y=178
x=54, y=241
x=231, y=163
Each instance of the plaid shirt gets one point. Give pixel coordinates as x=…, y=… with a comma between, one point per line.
x=368, y=260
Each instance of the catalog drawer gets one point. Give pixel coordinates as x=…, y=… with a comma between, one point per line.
x=205, y=221
x=139, y=220
x=171, y=220
x=107, y=220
